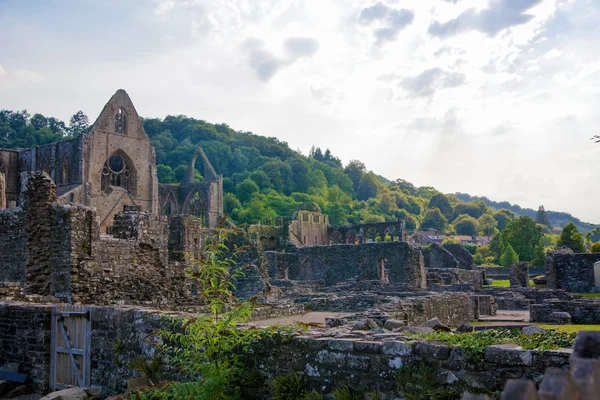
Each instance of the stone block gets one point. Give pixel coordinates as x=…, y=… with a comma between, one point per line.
x=397, y=349
x=436, y=325
x=360, y=363
x=532, y=330
x=368, y=347
x=332, y=359
x=340, y=345
x=428, y=350
x=561, y=318
x=394, y=323
x=508, y=354
x=519, y=389
x=558, y=385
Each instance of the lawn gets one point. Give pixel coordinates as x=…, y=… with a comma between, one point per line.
x=572, y=328
x=589, y=295
x=506, y=283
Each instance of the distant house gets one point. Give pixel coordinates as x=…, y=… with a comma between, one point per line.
x=483, y=240
x=463, y=239
x=426, y=237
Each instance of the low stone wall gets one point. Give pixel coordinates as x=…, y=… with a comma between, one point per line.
x=329, y=363
x=582, y=310
x=13, y=240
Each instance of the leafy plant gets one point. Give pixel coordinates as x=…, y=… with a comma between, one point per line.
x=152, y=368
x=208, y=351
x=290, y=386
x=474, y=343
x=251, y=384
x=345, y=393
x=422, y=383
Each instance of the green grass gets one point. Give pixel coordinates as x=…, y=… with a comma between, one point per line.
x=589, y=295
x=572, y=328
x=506, y=283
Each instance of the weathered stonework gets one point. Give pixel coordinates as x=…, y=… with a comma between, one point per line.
x=338, y=263
x=581, y=309
x=572, y=272
x=13, y=244
x=519, y=274
x=461, y=254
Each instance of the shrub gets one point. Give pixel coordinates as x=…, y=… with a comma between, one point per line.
x=290, y=387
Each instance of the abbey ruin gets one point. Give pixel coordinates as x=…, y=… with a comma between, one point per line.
x=85, y=222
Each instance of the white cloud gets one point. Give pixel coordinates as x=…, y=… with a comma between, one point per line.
x=494, y=98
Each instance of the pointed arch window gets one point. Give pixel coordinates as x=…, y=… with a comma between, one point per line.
x=121, y=121
x=117, y=172
x=65, y=171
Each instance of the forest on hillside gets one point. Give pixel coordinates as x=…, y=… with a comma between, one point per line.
x=264, y=178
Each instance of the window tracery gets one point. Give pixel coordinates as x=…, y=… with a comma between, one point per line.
x=121, y=121
x=116, y=172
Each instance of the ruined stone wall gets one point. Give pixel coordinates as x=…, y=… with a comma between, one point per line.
x=13, y=241
x=9, y=166
x=461, y=254
x=309, y=229
x=330, y=363
x=436, y=256
x=338, y=263
x=132, y=145
x=582, y=310
x=550, y=266
x=574, y=272
x=25, y=339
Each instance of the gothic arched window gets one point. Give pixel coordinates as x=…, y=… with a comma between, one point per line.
x=121, y=121
x=198, y=206
x=116, y=172
x=65, y=171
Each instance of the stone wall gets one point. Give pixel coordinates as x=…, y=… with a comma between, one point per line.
x=461, y=254
x=309, y=229
x=581, y=310
x=519, y=274
x=574, y=272
x=329, y=363
x=503, y=273
x=25, y=339
x=338, y=263
x=550, y=266
x=13, y=241
x=436, y=256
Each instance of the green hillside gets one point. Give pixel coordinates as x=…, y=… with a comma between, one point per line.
x=265, y=178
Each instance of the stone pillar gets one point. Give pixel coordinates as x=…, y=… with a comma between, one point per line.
x=2, y=191
x=519, y=274
x=39, y=196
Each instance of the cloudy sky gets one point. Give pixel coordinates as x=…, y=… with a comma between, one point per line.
x=496, y=98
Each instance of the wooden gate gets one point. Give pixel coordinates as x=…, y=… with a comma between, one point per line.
x=70, y=347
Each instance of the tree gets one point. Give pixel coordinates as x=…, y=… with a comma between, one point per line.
x=467, y=226
x=525, y=237
x=368, y=186
x=244, y=190
x=509, y=257
x=78, y=123
x=231, y=203
x=542, y=218
x=503, y=216
x=337, y=214
x=487, y=224
x=355, y=170
x=572, y=238
x=434, y=219
x=595, y=247
x=475, y=208
x=440, y=201
x=300, y=175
